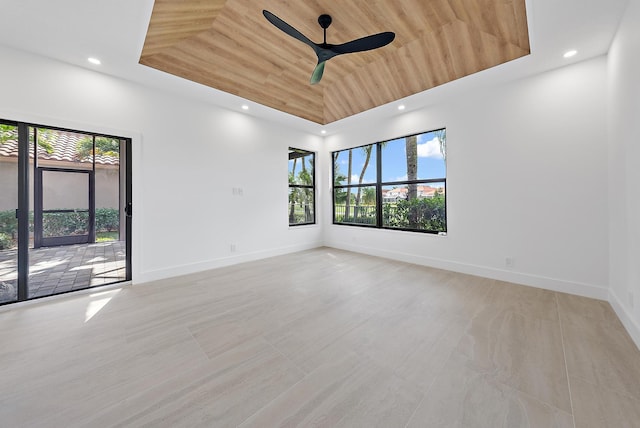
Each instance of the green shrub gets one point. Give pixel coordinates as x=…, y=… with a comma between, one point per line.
x=65, y=223
x=422, y=214
x=62, y=224
x=107, y=219
x=6, y=241
x=8, y=222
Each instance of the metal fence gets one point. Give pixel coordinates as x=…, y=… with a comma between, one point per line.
x=363, y=214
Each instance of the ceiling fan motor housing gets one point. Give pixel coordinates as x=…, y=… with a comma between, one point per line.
x=324, y=21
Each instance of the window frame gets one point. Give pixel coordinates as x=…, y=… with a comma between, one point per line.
x=312, y=187
x=379, y=185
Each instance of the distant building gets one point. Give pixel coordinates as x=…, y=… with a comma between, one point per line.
x=400, y=193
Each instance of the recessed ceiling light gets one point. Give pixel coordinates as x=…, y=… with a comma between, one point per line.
x=245, y=107
x=323, y=132
x=401, y=107
x=569, y=54
x=95, y=61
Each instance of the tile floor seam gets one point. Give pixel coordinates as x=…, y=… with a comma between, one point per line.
x=564, y=354
x=204, y=353
x=527, y=394
x=494, y=376
x=303, y=371
x=424, y=396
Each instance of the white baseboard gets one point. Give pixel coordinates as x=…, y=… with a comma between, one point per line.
x=190, y=268
x=553, y=284
x=633, y=328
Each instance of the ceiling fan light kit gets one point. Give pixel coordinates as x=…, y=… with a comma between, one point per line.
x=325, y=51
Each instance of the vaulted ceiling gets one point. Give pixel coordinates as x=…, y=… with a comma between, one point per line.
x=229, y=45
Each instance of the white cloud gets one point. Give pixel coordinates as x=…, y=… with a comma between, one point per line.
x=355, y=178
x=430, y=149
x=402, y=178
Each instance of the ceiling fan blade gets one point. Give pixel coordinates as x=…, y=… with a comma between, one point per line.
x=279, y=23
x=374, y=41
x=317, y=73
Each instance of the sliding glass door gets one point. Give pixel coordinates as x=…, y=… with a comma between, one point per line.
x=65, y=210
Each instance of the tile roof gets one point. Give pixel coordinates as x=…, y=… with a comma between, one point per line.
x=423, y=190
x=65, y=148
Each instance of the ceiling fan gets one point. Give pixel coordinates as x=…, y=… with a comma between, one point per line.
x=326, y=51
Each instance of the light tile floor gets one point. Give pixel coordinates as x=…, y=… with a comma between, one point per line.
x=56, y=270
x=323, y=338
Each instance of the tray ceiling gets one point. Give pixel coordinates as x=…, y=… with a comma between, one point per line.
x=230, y=46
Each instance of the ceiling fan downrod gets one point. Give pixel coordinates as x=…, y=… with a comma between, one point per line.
x=325, y=21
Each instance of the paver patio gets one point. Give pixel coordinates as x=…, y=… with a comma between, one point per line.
x=54, y=270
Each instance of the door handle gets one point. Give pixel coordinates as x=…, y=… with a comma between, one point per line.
x=128, y=209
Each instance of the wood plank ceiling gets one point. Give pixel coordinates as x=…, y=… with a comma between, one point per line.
x=230, y=46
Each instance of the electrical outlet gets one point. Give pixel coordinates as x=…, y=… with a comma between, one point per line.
x=509, y=262
x=233, y=248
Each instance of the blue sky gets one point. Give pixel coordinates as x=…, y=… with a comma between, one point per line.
x=394, y=167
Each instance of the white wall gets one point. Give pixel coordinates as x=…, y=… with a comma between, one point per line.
x=624, y=165
x=187, y=158
x=526, y=178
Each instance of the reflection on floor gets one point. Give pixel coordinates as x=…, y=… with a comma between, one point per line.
x=56, y=270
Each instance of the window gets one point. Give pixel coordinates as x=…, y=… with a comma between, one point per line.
x=394, y=184
x=355, y=184
x=301, y=187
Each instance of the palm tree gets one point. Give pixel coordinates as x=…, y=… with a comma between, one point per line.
x=367, y=151
x=292, y=195
x=441, y=135
x=339, y=194
x=411, y=147
x=307, y=179
x=347, y=207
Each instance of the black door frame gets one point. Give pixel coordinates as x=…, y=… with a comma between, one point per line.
x=23, y=210
x=128, y=204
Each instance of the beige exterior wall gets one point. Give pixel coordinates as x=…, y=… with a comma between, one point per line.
x=8, y=185
x=60, y=190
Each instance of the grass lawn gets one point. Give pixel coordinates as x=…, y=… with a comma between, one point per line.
x=106, y=236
